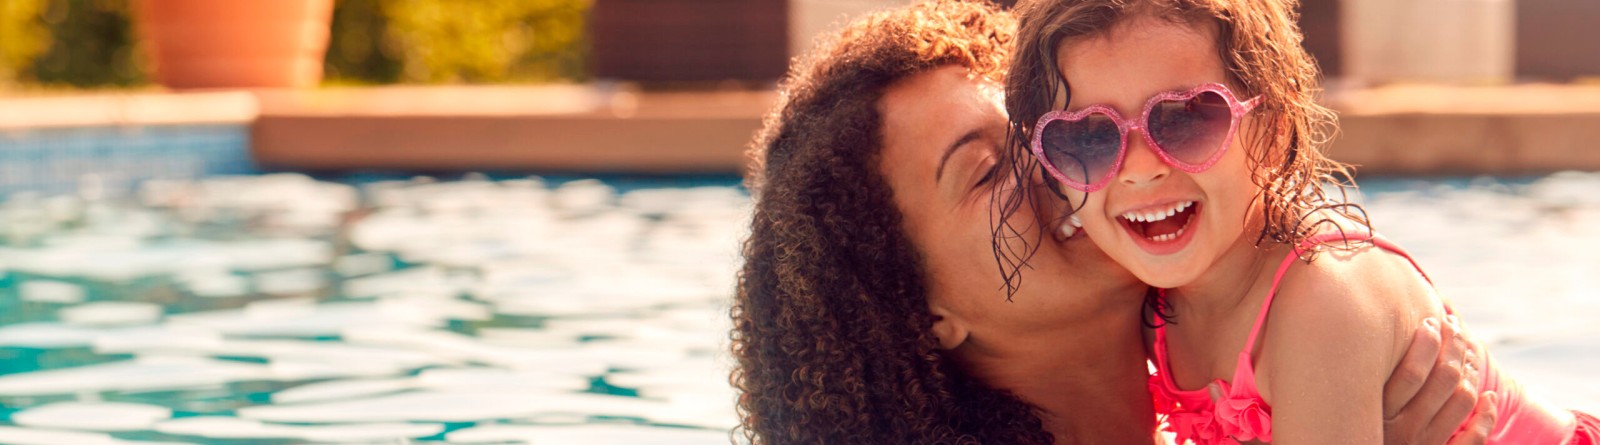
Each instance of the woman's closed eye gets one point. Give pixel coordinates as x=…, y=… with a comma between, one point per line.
x=989, y=175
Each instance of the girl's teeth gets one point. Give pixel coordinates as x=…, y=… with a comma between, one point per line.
x=1167, y=237
x=1158, y=214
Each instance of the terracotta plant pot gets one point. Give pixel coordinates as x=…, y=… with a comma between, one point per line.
x=235, y=43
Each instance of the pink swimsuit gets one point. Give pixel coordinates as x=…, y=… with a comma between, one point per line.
x=1242, y=415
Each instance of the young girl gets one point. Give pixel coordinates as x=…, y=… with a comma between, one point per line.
x=1187, y=135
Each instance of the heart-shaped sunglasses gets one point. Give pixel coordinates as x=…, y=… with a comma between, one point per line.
x=1190, y=130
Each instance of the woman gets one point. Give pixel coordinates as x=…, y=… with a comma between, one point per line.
x=871, y=309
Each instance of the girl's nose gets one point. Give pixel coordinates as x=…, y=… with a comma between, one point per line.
x=1142, y=166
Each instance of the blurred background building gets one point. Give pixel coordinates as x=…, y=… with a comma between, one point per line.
x=95, y=43
x=692, y=77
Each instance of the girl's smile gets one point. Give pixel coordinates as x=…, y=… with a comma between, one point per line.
x=1162, y=228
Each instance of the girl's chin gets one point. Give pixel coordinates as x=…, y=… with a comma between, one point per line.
x=1159, y=279
x=1167, y=271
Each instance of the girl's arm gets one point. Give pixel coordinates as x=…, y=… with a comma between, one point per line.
x=1333, y=337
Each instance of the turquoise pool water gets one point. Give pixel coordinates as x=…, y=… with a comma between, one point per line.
x=1520, y=259
x=279, y=309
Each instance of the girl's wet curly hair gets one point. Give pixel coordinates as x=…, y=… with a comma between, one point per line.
x=1258, y=42
x=832, y=330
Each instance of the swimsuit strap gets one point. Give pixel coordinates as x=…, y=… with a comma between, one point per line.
x=1385, y=244
x=1306, y=246
x=1250, y=344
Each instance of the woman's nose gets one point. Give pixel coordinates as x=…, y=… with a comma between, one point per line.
x=1142, y=166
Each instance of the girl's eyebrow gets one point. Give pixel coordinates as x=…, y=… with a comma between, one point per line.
x=960, y=142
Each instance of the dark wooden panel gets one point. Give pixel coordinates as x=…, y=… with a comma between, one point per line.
x=1558, y=39
x=690, y=40
x=1319, y=23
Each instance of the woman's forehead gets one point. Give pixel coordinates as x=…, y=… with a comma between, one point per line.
x=939, y=104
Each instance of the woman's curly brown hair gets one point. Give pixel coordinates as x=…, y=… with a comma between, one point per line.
x=832, y=330
x=1258, y=42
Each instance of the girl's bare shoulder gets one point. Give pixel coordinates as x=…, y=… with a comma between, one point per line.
x=1348, y=305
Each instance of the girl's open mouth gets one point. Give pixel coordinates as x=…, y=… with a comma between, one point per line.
x=1161, y=230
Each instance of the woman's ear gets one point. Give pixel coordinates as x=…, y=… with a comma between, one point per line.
x=950, y=330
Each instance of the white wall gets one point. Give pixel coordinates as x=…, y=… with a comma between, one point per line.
x=1454, y=41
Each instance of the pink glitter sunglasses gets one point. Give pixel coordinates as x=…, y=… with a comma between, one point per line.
x=1190, y=130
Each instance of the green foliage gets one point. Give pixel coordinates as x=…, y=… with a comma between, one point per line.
x=89, y=43
x=357, y=49
x=80, y=43
x=22, y=36
x=474, y=41
x=92, y=44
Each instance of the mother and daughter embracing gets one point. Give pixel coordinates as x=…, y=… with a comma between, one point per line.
x=1154, y=169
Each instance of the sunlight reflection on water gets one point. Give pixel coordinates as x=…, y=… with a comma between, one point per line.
x=279, y=309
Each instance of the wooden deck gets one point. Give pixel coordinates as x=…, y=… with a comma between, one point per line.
x=1418, y=130
x=508, y=128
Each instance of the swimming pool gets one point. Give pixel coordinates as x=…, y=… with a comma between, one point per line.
x=1519, y=258
x=281, y=309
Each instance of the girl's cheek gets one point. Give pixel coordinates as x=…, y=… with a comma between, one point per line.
x=1093, y=216
x=1079, y=200
x=1099, y=231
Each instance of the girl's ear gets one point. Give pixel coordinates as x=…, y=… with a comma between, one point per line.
x=950, y=330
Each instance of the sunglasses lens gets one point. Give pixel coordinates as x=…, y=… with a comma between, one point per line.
x=1084, y=149
x=1191, y=130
